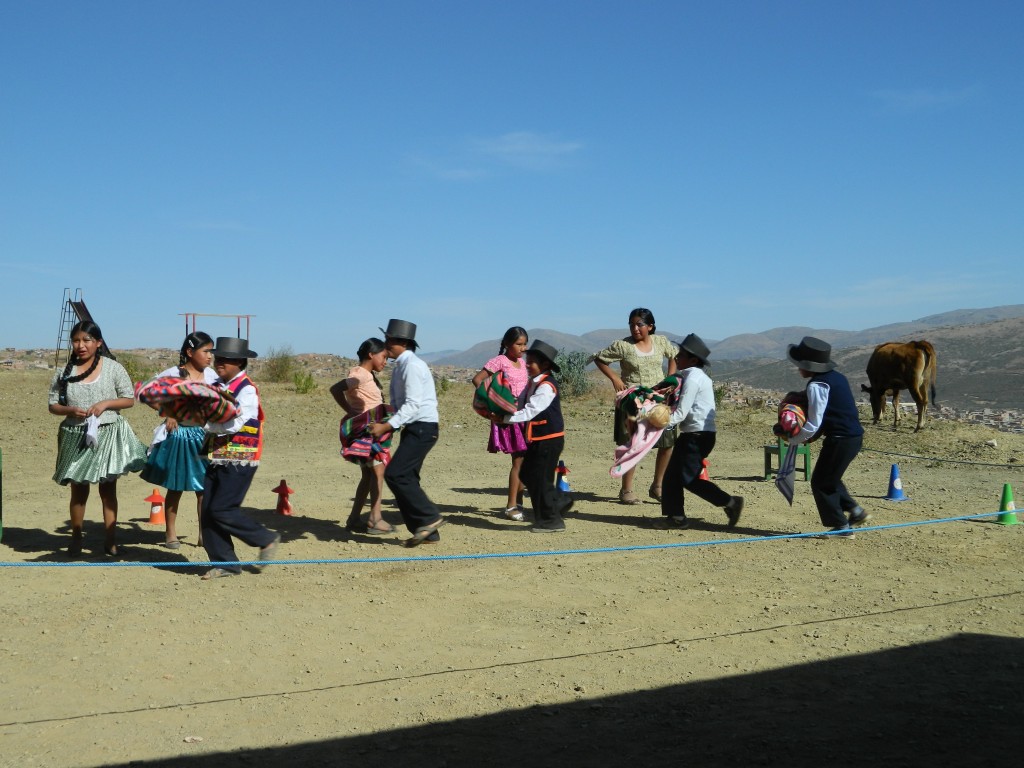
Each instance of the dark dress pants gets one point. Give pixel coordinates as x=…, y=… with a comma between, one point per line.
x=538, y=474
x=403, y=474
x=224, y=491
x=830, y=494
x=683, y=472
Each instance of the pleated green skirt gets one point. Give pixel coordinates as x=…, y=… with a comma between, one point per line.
x=117, y=452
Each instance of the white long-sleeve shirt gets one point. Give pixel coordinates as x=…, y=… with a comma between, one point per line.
x=412, y=392
x=696, y=407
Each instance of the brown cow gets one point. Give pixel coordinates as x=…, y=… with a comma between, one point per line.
x=894, y=366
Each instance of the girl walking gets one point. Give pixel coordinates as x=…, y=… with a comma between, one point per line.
x=95, y=445
x=509, y=438
x=174, y=462
x=362, y=398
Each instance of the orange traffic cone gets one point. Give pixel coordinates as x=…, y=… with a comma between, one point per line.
x=284, y=507
x=704, y=470
x=156, y=511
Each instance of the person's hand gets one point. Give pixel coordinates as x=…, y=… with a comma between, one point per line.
x=378, y=429
x=170, y=425
x=78, y=413
x=97, y=409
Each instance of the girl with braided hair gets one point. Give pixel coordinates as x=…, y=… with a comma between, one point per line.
x=174, y=462
x=95, y=445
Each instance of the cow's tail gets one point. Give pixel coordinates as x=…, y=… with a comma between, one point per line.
x=931, y=368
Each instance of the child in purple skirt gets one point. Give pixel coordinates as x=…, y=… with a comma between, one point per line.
x=509, y=438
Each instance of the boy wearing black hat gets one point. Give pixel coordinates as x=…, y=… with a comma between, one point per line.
x=234, y=457
x=695, y=413
x=414, y=399
x=832, y=412
x=541, y=410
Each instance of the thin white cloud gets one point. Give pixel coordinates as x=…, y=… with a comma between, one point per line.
x=526, y=149
x=480, y=158
x=918, y=99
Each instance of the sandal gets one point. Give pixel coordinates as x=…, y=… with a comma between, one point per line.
x=655, y=492
x=514, y=513
x=374, y=531
x=422, y=533
x=628, y=497
x=216, y=573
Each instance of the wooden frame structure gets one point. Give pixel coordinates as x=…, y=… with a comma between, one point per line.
x=190, y=322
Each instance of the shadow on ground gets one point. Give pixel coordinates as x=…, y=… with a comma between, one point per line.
x=949, y=702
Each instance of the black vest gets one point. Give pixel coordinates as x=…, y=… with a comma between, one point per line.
x=548, y=423
x=841, y=418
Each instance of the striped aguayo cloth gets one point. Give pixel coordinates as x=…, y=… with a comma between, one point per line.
x=494, y=396
x=356, y=442
x=187, y=401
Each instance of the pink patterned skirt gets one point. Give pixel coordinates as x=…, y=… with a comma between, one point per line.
x=507, y=438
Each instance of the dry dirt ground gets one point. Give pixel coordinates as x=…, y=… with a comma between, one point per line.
x=615, y=643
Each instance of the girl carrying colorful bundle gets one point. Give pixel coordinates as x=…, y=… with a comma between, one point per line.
x=509, y=438
x=174, y=462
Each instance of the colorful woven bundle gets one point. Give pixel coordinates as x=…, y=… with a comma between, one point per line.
x=187, y=401
x=357, y=444
x=791, y=419
x=494, y=396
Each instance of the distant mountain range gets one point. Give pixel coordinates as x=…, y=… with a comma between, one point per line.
x=980, y=353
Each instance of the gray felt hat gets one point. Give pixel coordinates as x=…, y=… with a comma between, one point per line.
x=232, y=348
x=695, y=345
x=546, y=351
x=812, y=355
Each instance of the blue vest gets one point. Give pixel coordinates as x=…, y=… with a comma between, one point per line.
x=841, y=418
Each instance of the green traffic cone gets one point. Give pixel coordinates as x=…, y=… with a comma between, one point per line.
x=1007, y=515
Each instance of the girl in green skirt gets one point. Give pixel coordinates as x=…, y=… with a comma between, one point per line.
x=95, y=444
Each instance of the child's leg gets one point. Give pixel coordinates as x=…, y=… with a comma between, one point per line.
x=515, y=485
x=79, y=496
x=108, y=495
x=375, y=478
x=362, y=489
x=199, y=516
x=171, y=516
x=661, y=461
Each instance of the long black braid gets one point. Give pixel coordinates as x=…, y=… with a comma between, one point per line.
x=91, y=329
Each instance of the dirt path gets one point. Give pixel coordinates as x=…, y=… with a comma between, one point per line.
x=597, y=647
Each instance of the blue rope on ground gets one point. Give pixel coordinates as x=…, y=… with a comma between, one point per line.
x=948, y=461
x=489, y=556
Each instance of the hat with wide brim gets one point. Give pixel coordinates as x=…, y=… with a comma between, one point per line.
x=546, y=351
x=695, y=345
x=232, y=348
x=812, y=355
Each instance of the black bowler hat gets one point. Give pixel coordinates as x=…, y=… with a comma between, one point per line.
x=812, y=355
x=546, y=351
x=695, y=345
x=401, y=329
x=232, y=348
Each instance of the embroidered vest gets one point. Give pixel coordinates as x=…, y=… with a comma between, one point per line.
x=548, y=423
x=245, y=445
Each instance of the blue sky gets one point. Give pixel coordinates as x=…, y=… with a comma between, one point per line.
x=324, y=166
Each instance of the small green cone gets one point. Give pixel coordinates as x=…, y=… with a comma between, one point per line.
x=1007, y=515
